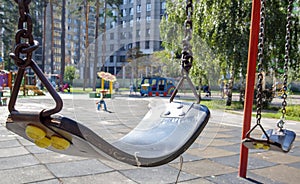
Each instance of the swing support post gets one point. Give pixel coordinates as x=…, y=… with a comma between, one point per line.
x=250, y=82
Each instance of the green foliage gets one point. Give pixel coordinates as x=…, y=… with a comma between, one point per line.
x=224, y=27
x=8, y=24
x=170, y=66
x=69, y=74
x=292, y=110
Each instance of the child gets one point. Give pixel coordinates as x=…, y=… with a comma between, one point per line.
x=101, y=102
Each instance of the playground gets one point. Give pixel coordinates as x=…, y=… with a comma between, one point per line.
x=138, y=139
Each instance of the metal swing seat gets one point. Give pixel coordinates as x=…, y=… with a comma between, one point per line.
x=163, y=134
x=276, y=140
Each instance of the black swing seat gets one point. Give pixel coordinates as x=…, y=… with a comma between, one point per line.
x=157, y=140
x=279, y=140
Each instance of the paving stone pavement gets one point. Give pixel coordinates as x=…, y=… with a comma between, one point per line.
x=213, y=158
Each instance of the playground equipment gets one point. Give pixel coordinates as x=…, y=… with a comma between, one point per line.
x=106, y=78
x=29, y=87
x=28, y=83
x=163, y=135
x=280, y=139
x=5, y=82
x=4, y=78
x=157, y=86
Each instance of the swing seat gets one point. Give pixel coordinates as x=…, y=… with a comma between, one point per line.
x=158, y=139
x=281, y=140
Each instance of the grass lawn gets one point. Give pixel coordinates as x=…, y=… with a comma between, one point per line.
x=292, y=111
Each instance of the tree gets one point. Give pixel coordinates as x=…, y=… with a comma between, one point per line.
x=52, y=36
x=224, y=27
x=96, y=45
x=63, y=44
x=8, y=27
x=44, y=35
x=132, y=57
x=111, y=3
x=69, y=74
x=169, y=63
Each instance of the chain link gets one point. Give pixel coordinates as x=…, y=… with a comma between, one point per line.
x=24, y=33
x=187, y=54
x=286, y=60
x=23, y=58
x=260, y=61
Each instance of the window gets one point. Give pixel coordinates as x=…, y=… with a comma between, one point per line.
x=131, y=11
x=129, y=46
x=138, y=8
x=130, y=35
x=148, y=32
x=147, y=45
x=122, y=59
x=111, y=47
x=138, y=33
x=163, y=8
x=148, y=6
x=114, y=13
x=148, y=19
x=123, y=35
x=163, y=5
x=113, y=24
x=124, y=24
x=124, y=1
x=111, y=59
x=124, y=12
x=138, y=19
x=131, y=23
x=137, y=44
x=112, y=36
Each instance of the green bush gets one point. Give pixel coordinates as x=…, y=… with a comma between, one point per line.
x=293, y=110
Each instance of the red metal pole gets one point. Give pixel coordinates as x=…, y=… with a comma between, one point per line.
x=250, y=82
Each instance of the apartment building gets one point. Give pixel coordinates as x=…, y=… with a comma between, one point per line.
x=132, y=24
x=137, y=27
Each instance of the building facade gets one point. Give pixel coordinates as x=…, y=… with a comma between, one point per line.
x=134, y=24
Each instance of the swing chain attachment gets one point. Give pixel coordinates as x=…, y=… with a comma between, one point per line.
x=260, y=62
x=286, y=62
x=26, y=48
x=22, y=56
x=187, y=54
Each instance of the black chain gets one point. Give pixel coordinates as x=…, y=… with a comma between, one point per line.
x=24, y=33
x=187, y=54
x=23, y=58
x=260, y=61
x=286, y=61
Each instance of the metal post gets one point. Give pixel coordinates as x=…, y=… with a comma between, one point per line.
x=250, y=82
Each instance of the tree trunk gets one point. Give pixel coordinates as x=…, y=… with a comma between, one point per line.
x=52, y=38
x=230, y=86
x=86, y=62
x=104, y=37
x=96, y=46
x=44, y=36
x=63, y=44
